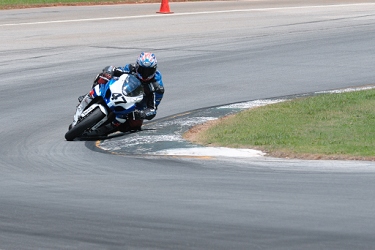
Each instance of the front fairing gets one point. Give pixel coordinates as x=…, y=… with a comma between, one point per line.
x=120, y=94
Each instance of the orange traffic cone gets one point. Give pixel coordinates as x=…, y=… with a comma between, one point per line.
x=164, y=8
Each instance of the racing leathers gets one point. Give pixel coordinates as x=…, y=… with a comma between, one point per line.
x=154, y=91
x=146, y=109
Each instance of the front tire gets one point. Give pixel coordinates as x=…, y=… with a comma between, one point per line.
x=87, y=123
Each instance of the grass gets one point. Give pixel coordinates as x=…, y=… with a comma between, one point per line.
x=14, y=4
x=326, y=126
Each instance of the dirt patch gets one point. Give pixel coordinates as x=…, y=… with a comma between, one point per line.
x=196, y=133
x=286, y=155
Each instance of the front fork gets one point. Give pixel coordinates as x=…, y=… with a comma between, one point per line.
x=81, y=107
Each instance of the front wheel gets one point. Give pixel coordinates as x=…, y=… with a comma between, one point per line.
x=88, y=122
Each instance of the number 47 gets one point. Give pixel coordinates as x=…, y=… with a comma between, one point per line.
x=116, y=96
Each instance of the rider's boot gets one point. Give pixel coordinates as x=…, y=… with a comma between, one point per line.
x=131, y=125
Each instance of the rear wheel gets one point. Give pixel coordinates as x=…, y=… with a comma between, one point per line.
x=87, y=123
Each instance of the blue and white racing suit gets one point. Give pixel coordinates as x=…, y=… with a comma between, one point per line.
x=154, y=91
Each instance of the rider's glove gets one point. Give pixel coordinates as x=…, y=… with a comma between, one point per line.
x=147, y=114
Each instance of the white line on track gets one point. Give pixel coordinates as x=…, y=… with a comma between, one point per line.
x=185, y=14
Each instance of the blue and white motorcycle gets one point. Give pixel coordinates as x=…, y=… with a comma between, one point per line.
x=115, y=99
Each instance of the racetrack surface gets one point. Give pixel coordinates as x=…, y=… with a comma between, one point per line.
x=56, y=194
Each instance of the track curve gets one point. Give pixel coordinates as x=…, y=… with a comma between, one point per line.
x=57, y=194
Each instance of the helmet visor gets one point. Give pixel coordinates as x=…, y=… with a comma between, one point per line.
x=146, y=72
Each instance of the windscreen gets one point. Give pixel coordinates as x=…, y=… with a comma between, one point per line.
x=132, y=86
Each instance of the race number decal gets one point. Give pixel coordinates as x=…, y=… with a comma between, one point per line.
x=118, y=98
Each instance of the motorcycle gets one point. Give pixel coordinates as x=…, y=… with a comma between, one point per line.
x=115, y=99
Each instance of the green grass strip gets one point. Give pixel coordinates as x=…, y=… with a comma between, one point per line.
x=14, y=4
x=323, y=126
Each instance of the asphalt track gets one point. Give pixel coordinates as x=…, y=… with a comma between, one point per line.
x=56, y=194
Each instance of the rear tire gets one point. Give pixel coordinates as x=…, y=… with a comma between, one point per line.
x=92, y=119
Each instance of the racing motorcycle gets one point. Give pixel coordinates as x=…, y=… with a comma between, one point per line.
x=115, y=99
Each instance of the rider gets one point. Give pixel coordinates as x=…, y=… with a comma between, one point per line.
x=145, y=69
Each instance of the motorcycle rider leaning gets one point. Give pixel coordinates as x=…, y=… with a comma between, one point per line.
x=145, y=69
